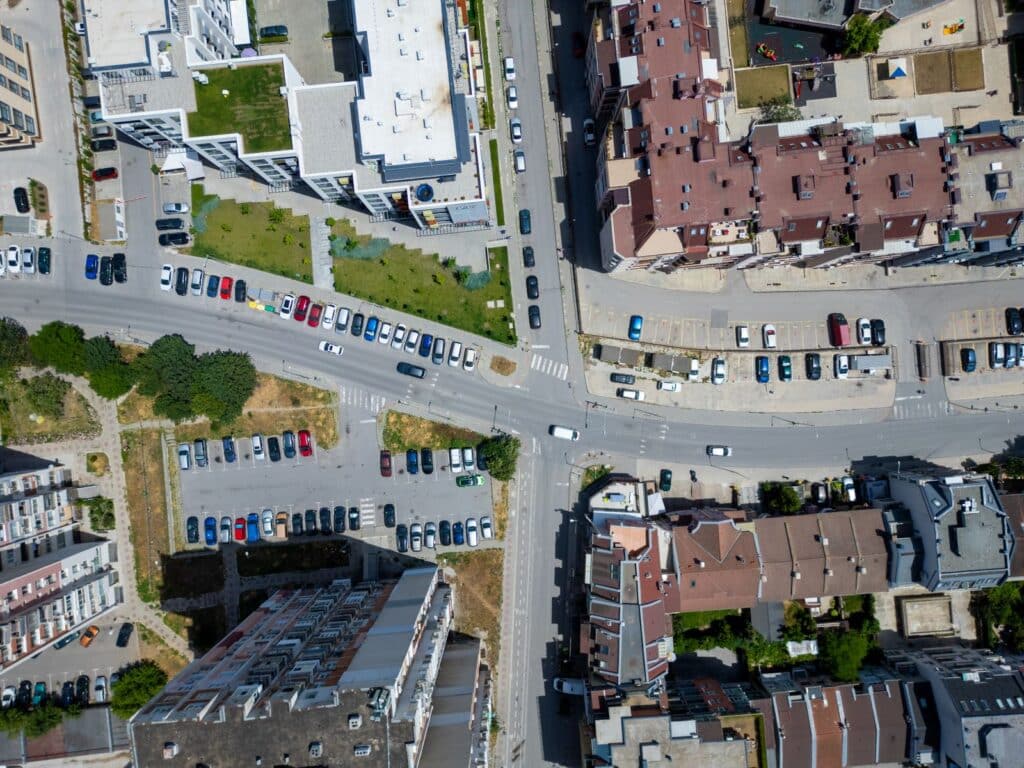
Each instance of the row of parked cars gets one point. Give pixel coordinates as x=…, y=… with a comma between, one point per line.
x=25, y=260
x=272, y=448
x=374, y=329
x=459, y=460
x=27, y=696
x=172, y=225
x=417, y=536
x=212, y=285
x=108, y=269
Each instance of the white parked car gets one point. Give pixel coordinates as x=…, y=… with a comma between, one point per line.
x=416, y=537
x=718, y=371
x=467, y=459
x=864, y=331
x=411, y=341
x=842, y=366
x=455, y=354
x=399, y=337
x=166, y=277
x=742, y=336
x=268, y=522
x=849, y=490
x=287, y=305
x=485, y=527
x=469, y=363
x=454, y=460
x=175, y=208
x=8, y=698
x=257, y=448
x=768, y=336
x=515, y=127
x=519, y=161
x=510, y=68
x=384, y=336
x=694, y=374
x=471, y=532
x=669, y=386
x=14, y=259
x=330, y=314
x=197, y=281
x=631, y=394
x=513, y=97
x=334, y=349
x=28, y=261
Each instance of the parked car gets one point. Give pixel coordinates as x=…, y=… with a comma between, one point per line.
x=257, y=447
x=1014, y=324
x=878, y=333
x=528, y=258
x=124, y=634
x=412, y=461
x=761, y=370
x=344, y=315
x=838, y=330
x=841, y=365
x=172, y=208
x=509, y=67
x=519, y=161
x=589, y=133
x=398, y=337
x=718, y=371
x=169, y=224
x=316, y=312
x=229, y=449
x=785, y=368
x=532, y=287
x=385, y=463
x=100, y=690
x=444, y=533
x=996, y=354
x=240, y=291
x=212, y=286
x=67, y=639
x=819, y=494
x=106, y=271
x=968, y=360
x=355, y=518
x=454, y=354
x=384, y=336
x=416, y=537
x=180, y=281
x=525, y=225
x=92, y=269
x=225, y=287
x=469, y=481
x=357, y=323
x=471, y=532
x=288, y=443
x=310, y=521
x=533, y=314
x=39, y=694
x=412, y=341
x=515, y=129
x=437, y=351
x=430, y=536
x=742, y=336
x=1011, y=355
x=325, y=520
x=173, y=238
x=389, y=515
x=21, y=200
x=301, y=309
x=512, y=95
x=812, y=365
x=297, y=529
x=225, y=530
x=624, y=378
x=273, y=448
x=864, y=331
x=10, y=695
x=458, y=534
x=665, y=480
x=630, y=394
x=305, y=443
x=769, y=338
x=287, y=306
x=426, y=342
x=210, y=531
x=469, y=361
x=44, y=262
x=402, y=538
x=468, y=459
x=339, y=519
x=636, y=327
x=89, y=635
x=669, y=386
x=192, y=530
x=267, y=519
x=455, y=460
x=199, y=449
x=103, y=174
x=104, y=145
x=849, y=490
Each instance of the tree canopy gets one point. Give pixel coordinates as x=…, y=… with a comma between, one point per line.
x=779, y=109
x=843, y=653
x=862, y=35
x=223, y=382
x=137, y=685
x=46, y=394
x=501, y=454
x=780, y=499
x=60, y=345
x=13, y=344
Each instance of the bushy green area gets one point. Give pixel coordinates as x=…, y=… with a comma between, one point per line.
x=137, y=685
x=243, y=99
x=1000, y=615
x=501, y=454
x=780, y=499
x=36, y=721
x=101, y=513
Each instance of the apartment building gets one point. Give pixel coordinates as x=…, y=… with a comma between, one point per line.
x=19, y=118
x=333, y=677
x=401, y=141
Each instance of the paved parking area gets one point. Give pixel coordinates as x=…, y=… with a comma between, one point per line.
x=55, y=666
x=319, y=59
x=348, y=476
x=979, y=323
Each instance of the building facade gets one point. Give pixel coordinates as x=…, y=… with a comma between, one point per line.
x=19, y=119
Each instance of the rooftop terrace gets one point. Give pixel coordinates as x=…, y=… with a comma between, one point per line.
x=243, y=99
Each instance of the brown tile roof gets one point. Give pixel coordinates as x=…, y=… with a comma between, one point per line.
x=892, y=724
x=993, y=224
x=717, y=564
x=829, y=554
x=1013, y=504
x=828, y=735
x=792, y=721
x=859, y=714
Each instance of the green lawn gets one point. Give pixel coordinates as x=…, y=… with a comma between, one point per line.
x=394, y=276
x=253, y=106
x=760, y=84
x=738, y=32
x=499, y=203
x=257, y=235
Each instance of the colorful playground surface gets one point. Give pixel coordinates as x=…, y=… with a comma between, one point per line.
x=789, y=45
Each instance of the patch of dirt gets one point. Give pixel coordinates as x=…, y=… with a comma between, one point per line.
x=403, y=431
x=502, y=365
x=19, y=426
x=477, y=583
x=135, y=408
x=97, y=464
x=143, y=457
x=152, y=646
x=499, y=502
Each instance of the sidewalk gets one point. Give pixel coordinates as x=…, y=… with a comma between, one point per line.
x=870, y=277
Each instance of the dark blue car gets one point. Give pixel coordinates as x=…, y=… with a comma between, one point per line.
x=92, y=266
x=212, y=286
x=761, y=369
x=412, y=461
x=457, y=534
x=371, y=329
x=211, y=531
x=636, y=326
x=252, y=527
x=229, y=449
x=426, y=341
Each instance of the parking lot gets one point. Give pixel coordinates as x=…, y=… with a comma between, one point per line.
x=317, y=44
x=980, y=323
x=55, y=666
x=348, y=476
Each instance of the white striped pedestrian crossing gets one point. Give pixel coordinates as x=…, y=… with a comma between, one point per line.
x=357, y=397
x=549, y=367
x=367, y=512
x=920, y=409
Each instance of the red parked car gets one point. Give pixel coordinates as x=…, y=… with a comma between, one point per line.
x=225, y=287
x=301, y=308
x=305, y=443
x=315, y=313
x=385, y=463
x=104, y=173
x=239, y=529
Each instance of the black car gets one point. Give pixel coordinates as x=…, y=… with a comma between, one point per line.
x=67, y=694
x=389, y=515
x=1014, y=325
x=444, y=532
x=21, y=200
x=402, y=538
x=532, y=287
x=174, y=238
x=240, y=291
x=274, y=448
x=44, y=261
x=120, y=264
x=534, y=314
x=357, y=324
x=968, y=359
x=106, y=271
x=24, y=696
x=297, y=524
x=481, y=459
x=412, y=370
x=289, y=444
x=353, y=518
x=229, y=449
x=665, y=481
x=310, y=521
x=124, y=634
x=878, y=332
x=339, y=519
x=104, y=145
x=82, y=689
x=427, y=461
x=325, y=520
x=528, y=260
x=181, y=281
x=525, y=225
x=192, y=530
x=812, y=364
x=165, y=224
x=623, y=378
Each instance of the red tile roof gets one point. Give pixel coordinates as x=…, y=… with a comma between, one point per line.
x=717, y=563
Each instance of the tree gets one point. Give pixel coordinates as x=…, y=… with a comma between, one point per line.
x=101, y=513
x=165, y=371
x=800, y=624
x=780, y=499
x=223, y=382
x=100, y=352
x=501, y=454
x=843, y=653
x=863, y=36
x=59, y=345
x=46, y=394
x=113, y=381
x=137, y=685
x=779, y=109
x=13, y=344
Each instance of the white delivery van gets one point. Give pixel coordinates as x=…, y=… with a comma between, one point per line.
x=563, y=433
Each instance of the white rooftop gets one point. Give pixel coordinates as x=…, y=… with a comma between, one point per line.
x=405, y=114
x=116, y=29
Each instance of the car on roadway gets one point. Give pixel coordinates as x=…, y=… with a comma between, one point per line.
x=471, y=531
x=316, y=311
x=812, y=366
x=533, y=314
x=287, y=306
x=785, y=368
x=469, y=481
x=416, y=371
x=437, y=353
x=769, y=338
x=416, y=537
x=864, y=331
x=92, y=270
x=669, y=386
x=509, y=67
x=389, y=515
x=124, y=634
x=455, y=354
x=398, y=337
x=180, y=281
x=589, y=133
x=288, y=443
x=878, y=332
x=636, y=327
x=402, y=538
x=515, y=129
x=192, y=530
x=301, y=309
x=44, y=262
x=742, y=336
x=385, y=463
x=305, y=443
x=512, y=96
x=469, y=361
x=334, y=349
x=273, y=448
x=718, y=371
x=718, y=450
x=968, y=360
x=173, y=238
x=841, y=366
x=761, y=369
x=525, y=223
x=532, y=287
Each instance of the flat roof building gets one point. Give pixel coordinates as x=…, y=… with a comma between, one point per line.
x=19, y=118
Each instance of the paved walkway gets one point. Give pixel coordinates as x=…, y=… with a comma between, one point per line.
x=73, y=453
x=855, y=277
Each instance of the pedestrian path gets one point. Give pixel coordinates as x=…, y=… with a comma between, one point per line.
x=912, y=408
x=367, y=511
x=548, y=367
x=357, y=397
